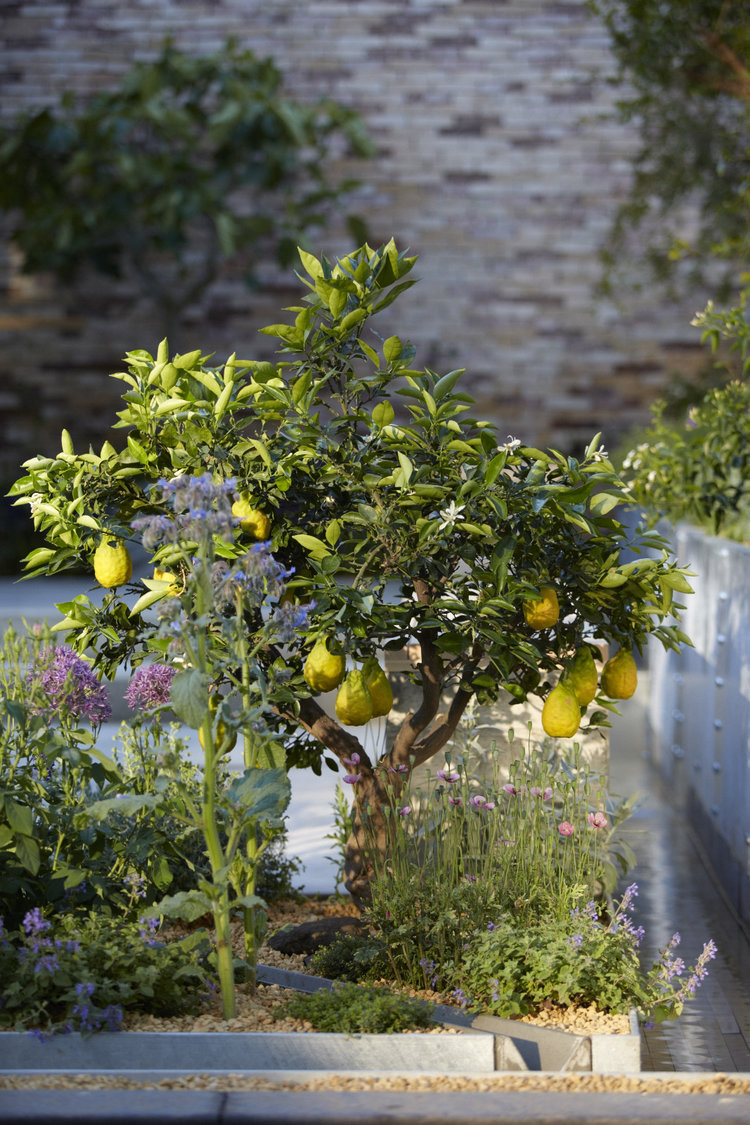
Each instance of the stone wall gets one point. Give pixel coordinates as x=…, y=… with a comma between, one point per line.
x=495, y=165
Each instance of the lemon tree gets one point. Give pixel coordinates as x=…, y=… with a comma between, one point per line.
x=404, y=519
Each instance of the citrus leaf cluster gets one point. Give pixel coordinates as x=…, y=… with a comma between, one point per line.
x=405, y=519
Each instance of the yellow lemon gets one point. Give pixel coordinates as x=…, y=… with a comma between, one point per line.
x=167, y=576
x=324, y=670
x=224, y=740
x=252, y=520
x=561, y=714
x=580, y=673
x=378, y=686
x=620, y=675
x=112, y=562
x=353, y=701
x=542, y=612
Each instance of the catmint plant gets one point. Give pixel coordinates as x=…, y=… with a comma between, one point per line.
x=83, y=972
x=591, y=957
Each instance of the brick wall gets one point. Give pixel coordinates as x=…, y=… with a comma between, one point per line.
x=494, y=164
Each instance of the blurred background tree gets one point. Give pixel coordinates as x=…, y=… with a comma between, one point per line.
x=190, y=162
x=685, y=66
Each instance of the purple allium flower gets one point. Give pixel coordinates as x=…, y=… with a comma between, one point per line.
x=149, y=687
x=565, y=828
x=70, y=685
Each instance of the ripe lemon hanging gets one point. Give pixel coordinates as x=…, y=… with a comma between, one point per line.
x=324, y=670
x=542, y=612
x=561, y=714
x=112, y=562
x=167, y=576
x=378, y=686
x=620, y=675
x=354, y=702
x=252, y=520
x=224, y=739
x=580, y=673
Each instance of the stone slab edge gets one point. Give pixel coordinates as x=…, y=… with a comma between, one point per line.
x=202, y=1107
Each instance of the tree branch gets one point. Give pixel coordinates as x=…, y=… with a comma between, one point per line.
x=326, y=730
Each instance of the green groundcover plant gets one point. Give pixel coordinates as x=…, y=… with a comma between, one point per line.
x=394, y=514
x=358, y=1010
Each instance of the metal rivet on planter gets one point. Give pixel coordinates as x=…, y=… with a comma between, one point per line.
x=720, y=638
x=718, y=724
x=716, y=767
x=719, y=681
x=677, y=715
x=678, y=751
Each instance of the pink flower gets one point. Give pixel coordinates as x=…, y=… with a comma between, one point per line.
x=510, y=789
x=351, y=778
x=448, y=777
x=405, y=810
x=565, y=828
x=353, y=761
x=455, y=799
x=545, y=794
x=394, y=769
x=597, y=820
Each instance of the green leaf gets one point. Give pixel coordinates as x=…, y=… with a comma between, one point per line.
x=127, y=805
x=310, y=264
x=604, y=502
x=262, y=793
x=316, y=547
x=188, y=905
x=677, y=581
x=189, y=695
x=27, y=850
x=383, y=414
x=19, y=817
x=392, y=349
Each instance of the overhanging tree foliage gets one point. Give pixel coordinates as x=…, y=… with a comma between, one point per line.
x=686, y=68
x=369, y=472
x=190, y=162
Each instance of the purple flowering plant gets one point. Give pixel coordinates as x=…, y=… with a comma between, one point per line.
x=594, y=956
x=208, y=632
x=83, y=972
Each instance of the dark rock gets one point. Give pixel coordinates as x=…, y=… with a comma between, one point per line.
x=309, y=936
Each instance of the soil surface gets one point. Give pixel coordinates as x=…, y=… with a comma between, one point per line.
x=256, y=1013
